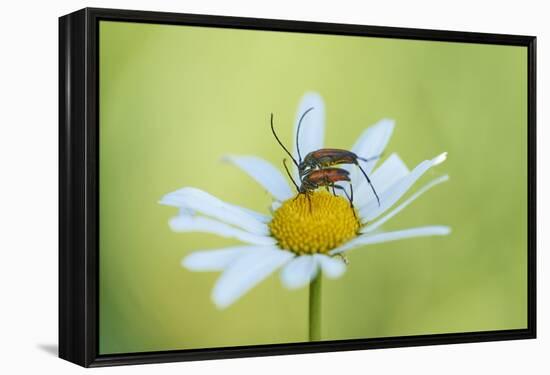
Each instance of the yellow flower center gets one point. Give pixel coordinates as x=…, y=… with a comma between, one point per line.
x=314, y=223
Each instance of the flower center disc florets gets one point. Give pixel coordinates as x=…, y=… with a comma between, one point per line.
x=314, y=223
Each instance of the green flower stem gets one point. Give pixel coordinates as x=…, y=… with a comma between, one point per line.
x=315, y=308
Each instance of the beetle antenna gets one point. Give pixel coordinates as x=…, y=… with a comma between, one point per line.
x=370, y=183
x=298, y=132
x=290, y=176
x=281, y=143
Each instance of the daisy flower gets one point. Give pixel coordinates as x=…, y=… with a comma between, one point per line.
x=302, y=235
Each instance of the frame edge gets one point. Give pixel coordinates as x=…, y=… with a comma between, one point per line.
x=532, y=185
x=73, y=310
x=78, y=186
x=316, y=27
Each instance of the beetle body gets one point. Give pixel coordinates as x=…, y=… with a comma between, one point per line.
x=326, y=157
x=326, y=177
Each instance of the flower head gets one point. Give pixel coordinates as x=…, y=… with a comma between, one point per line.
x=304, y=232
x=314, y=224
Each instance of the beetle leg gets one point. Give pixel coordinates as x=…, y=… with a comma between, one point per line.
x=366, y=160
x=329, y=184
x=343, y=257
x=339, y=187
x=350, y=198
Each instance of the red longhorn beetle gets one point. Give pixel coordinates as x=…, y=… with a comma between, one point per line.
x=323, y=158
x=326, y=177
x=314, y=179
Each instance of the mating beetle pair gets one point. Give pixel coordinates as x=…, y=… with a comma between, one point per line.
x=317, y=169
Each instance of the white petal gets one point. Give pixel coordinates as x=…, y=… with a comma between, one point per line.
x=260, y=217
x=370, y=238
x=275, y=206
x=373, y=141
x=299, y=272
x=332, y=267
x=186, y=211
x=312, y=130
x=392, y=170
x=206, y=204
x=388, y=198
x=185, y=223
x=246, y=272
x=215, y=259
x=395, y=211
x=264, y=173
x=257, y=215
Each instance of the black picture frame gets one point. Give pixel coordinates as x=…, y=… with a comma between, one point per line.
x=79, y=187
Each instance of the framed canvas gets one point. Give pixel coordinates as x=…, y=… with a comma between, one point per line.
x=244, y=187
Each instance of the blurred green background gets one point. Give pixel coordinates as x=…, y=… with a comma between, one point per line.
x=175, y=99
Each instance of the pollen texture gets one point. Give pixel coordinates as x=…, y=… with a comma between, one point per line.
x=315, y=223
